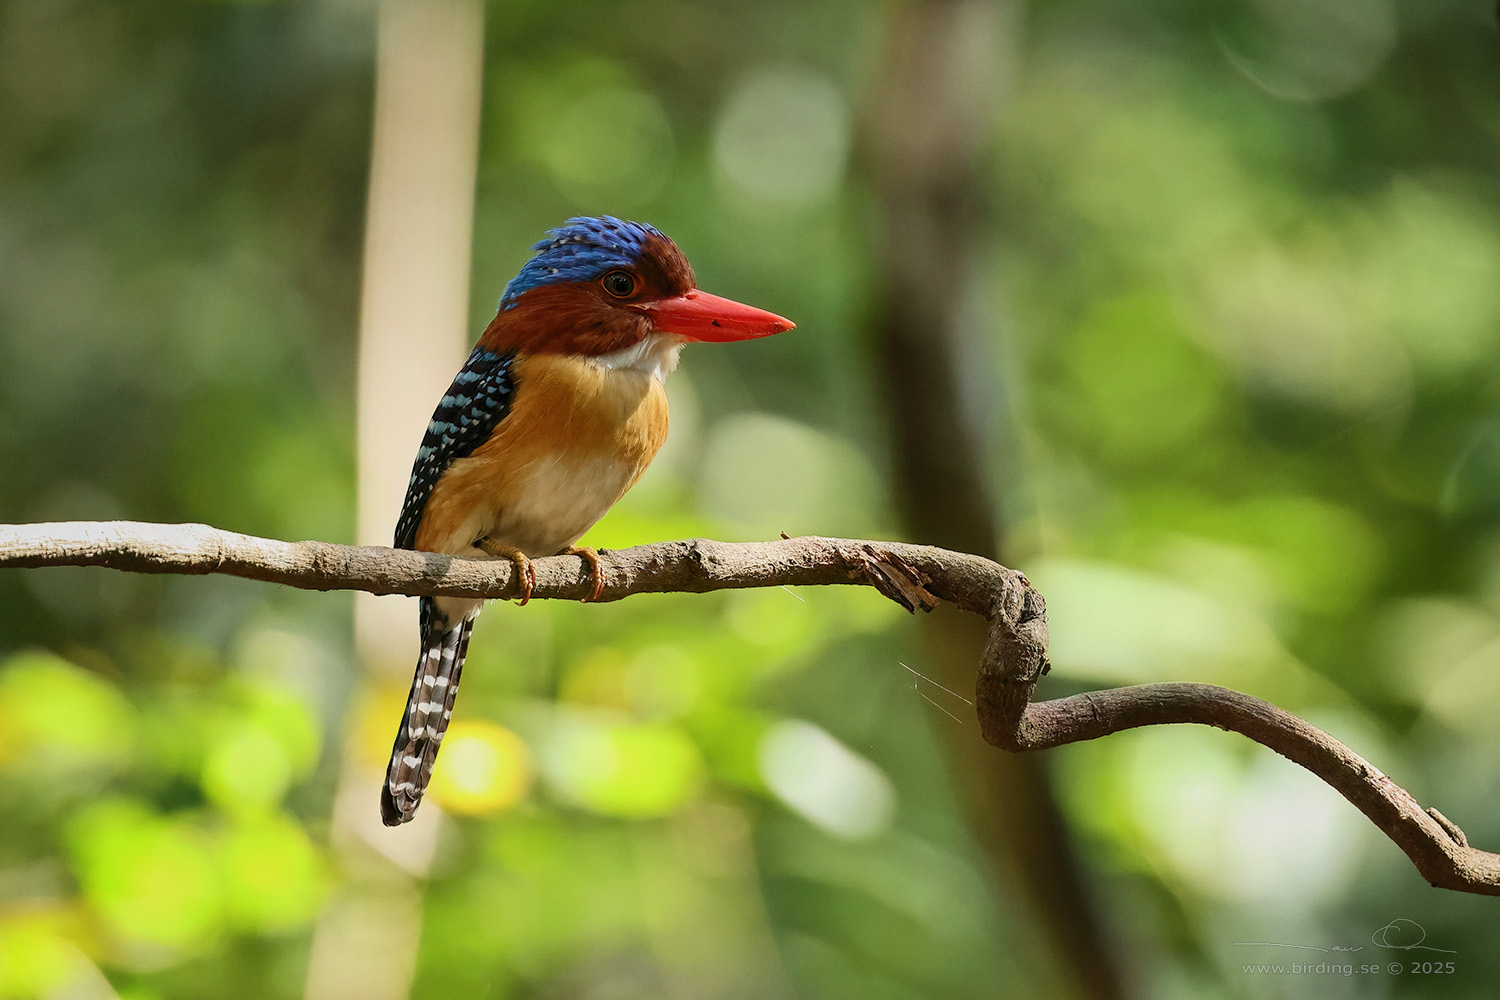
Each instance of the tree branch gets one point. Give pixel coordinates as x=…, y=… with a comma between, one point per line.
x=915, y=576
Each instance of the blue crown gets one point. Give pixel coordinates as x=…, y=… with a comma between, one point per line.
x=580, y=249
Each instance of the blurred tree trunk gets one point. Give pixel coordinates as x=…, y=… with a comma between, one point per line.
x=928, y=132
x=429, y=71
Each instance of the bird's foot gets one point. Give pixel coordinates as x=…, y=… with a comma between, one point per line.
x=596, y=570
x=525, y=572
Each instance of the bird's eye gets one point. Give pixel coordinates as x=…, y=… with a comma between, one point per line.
x=620, y=284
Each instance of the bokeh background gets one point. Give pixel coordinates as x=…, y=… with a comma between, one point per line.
x=1189, y=309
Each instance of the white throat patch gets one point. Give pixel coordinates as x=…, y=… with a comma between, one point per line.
x=655, y=356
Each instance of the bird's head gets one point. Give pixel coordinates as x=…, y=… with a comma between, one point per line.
x=599, y=286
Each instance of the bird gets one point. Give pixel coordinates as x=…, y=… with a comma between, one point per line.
x=554, y=416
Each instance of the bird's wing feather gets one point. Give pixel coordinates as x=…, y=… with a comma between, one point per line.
x=476, y=402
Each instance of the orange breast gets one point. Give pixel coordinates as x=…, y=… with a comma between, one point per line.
x=578, y=436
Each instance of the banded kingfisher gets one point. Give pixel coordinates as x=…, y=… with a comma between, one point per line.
x=556, y=413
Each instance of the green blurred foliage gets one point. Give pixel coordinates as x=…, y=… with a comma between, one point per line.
x=1238, y=296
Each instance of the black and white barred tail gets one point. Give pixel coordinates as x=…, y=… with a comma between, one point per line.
x=428, y=709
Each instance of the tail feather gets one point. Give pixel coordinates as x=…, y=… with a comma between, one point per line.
x=428, y=709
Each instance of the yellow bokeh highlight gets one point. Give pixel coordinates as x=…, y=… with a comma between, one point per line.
x=373, y=721
x=151, y=880
x=623, y=769
x=262, y=742
x=273, y=875
x=246, y=769
x=36, y=955
x=62, y=718
x=483, y=768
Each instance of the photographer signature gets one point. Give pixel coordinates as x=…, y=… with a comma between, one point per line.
x=1400, y=934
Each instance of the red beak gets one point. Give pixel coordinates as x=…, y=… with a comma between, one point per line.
x=701, y=316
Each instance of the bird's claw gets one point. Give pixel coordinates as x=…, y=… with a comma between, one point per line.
x=596, y=569
x=525, y=572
